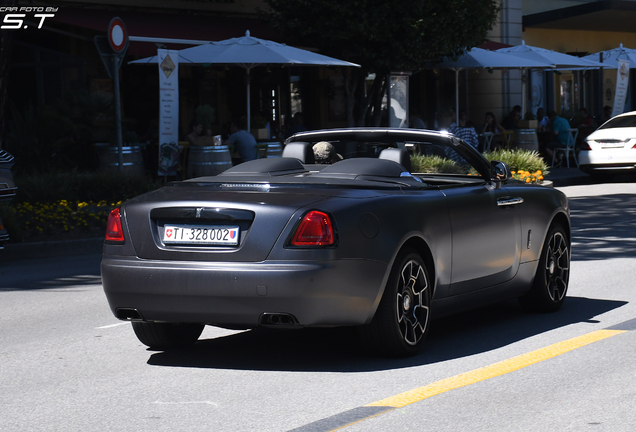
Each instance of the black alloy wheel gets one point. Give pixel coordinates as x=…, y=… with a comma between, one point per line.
x=553, y=274
x=401, y=322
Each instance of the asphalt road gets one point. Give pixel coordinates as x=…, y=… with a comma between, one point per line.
x=67, y=364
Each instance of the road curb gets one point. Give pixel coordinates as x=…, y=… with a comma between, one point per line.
x=568, y=177
x=18, y=251
x=571, y=181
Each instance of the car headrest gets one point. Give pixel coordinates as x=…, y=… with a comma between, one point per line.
x=300, y=150
x=398, y=155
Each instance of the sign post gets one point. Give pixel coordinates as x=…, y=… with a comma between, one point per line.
x=168, y=61
x=622, y=81
x=112, y=48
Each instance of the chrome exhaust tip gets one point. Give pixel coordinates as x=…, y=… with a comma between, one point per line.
x=128, y=314
x=278, y=320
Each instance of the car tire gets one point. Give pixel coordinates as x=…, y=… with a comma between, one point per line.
x=167, y=335
x=401, y=321
x=550, y=285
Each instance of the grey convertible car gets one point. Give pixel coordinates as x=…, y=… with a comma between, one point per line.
x=285, y=242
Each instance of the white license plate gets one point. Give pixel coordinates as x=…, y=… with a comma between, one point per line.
x=613, y=146
x=201, y=234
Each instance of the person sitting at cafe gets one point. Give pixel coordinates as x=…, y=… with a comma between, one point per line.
x=461, y=130
x=194, y=137
x=512, y=120
x=542, y=119
x=243, y=141
x=544, y=134
x=491, y=124
x=560, y=130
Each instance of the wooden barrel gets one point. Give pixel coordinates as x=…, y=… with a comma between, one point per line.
x=208, y=160
x=526, y=139
x=133, y=159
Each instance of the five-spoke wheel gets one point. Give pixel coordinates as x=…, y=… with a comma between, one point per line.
x=401, y=322
x=551, y=280
x=412, y=302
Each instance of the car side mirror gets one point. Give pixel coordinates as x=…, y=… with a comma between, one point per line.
x=499, y=172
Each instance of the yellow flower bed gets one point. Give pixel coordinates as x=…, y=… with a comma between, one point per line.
x=527, y=177
x=62, y=216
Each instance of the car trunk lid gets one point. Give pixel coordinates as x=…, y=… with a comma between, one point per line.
x=258, y=217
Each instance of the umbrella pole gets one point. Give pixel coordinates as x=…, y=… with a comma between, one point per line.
x=457, y=97
x=249, y=78
x=523, y=92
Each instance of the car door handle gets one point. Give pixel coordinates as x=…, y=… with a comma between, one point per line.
x=509, y=201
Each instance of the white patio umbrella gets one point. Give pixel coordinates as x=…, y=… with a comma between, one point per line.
x=557, y=59
x=249, y=52
x=481, y=58
x=610, y=58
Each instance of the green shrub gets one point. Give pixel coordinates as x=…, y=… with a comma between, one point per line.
x=434, y=164
x=69, y=205
x=519, y=160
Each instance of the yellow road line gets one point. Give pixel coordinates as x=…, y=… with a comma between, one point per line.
x=493, y=370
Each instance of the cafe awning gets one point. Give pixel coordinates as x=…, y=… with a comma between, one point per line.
x=162, y=26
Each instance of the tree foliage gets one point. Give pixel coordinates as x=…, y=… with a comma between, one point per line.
x=383, y=35
x=6, y=36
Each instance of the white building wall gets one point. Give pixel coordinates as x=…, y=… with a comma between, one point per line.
x=537, y=6
x=500, y=90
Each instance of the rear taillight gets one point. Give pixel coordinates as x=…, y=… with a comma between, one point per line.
x=315, y=229
x=114, y=230
x=585, y=146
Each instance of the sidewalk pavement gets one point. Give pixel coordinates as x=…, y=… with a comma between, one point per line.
x=18, y=251
x=568, y=177
x=559, y=176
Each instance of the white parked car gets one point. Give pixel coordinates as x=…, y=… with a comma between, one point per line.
x=611, y=149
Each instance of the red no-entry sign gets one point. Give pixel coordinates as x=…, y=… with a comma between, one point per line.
x=117, y=35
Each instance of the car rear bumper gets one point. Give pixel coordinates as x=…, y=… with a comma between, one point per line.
x=338, y=292
x=607, y=160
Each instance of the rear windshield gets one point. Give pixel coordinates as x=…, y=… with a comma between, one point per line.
x=620, y=122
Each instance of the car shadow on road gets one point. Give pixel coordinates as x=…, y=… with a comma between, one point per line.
x=339, y=350
x=603, y=227
x=50, y=273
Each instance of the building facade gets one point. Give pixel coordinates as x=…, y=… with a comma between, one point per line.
x=58, y=54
